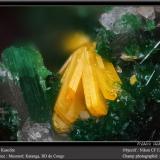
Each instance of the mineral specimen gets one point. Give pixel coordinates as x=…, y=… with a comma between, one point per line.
x=130, y=36
x=87, y=81
x=26, y=65
x=134, y=114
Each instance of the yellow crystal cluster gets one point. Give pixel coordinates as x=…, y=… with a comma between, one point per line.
x=87, y=82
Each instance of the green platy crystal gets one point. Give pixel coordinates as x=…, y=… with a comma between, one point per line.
x=27, y=67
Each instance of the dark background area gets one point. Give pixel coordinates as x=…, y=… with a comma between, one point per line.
x=46, y=26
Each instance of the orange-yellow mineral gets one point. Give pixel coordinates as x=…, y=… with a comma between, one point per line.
x=88, y=81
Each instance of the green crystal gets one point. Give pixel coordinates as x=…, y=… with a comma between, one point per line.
x=104, y=40
x=27, y=67
x=129, y=22
x=150, y=25
x=24, y=61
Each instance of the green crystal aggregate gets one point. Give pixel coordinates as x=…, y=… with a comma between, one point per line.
x=134, y=37
x=26, y=65
x=104, y=40
x=128, y=23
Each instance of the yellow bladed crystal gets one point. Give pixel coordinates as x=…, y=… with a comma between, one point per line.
x=95, y=103
x=108, y=79
x=76, y=77
x=87, y=81
x=59, y=124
